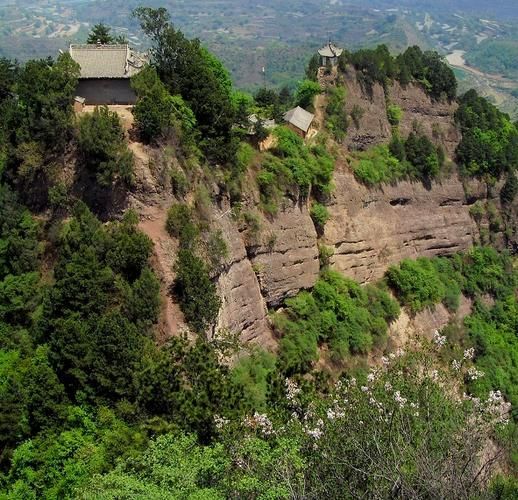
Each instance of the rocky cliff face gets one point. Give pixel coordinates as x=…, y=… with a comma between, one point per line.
x=435, y=119
x=369, y=229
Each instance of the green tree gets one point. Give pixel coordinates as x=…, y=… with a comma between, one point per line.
x=103, y=148
x=195, y=291
x=158, y=114
x=312, y=67
x=100, y=33
x=186, y=68
x=306, y=91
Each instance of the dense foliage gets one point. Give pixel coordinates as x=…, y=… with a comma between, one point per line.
x=489, y=280
x=194, y=287
x=95, y=403
x=295, y=169
x=333, y=448
x=338, y=312
x=103, y=148
x=379, y=66
x=189, y=70
x=489, y=139
x=415, y=157
x=158, y=114
x=37, y=122
x=336, y=116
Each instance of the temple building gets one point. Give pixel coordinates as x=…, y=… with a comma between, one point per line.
x=105, y=73
x=299, y=120
x=329, y=54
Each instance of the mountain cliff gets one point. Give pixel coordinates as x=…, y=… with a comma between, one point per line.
x=369, y=229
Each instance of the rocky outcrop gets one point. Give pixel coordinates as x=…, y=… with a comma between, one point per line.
x=243, y=309
x=371, y=126
x=433, y=118
x=371, y=229
x=271, y=258
x=287, y=259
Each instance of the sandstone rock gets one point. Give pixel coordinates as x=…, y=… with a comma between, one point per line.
x=370, y=229
x=374, y=127
x=289, y=262
x=435, y=119
x=243, y=308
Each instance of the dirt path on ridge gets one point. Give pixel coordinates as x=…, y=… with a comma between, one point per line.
x=152, y=223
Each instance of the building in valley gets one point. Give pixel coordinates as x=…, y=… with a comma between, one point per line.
x=105, y=73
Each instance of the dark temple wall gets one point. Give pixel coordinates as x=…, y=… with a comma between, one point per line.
x=106, y=91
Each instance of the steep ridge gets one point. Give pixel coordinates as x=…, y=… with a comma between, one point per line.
x=369, y=228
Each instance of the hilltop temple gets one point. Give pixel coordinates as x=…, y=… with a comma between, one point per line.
x=105, y=73
x=329, y=54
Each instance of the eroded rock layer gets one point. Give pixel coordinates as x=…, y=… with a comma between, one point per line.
x=370, y=229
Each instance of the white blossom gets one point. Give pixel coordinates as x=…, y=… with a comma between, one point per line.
x=438, y=339
x=261, y=422
x=220, y=422
x=388, y=386
x=315, y=433
x=456, y=365
x=474, y=374
x=292, y=389
x=469, y=353
x=400, y=400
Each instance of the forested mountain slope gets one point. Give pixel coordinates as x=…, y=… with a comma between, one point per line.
x=193, y=305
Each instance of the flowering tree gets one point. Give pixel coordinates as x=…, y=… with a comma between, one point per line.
x=404, y=431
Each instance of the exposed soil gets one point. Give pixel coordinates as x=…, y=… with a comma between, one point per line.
x=172, y=321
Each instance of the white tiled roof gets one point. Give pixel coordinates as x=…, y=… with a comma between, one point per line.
x=106, y=61
x=299, y=118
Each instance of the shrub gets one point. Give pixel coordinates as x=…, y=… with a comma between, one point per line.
x=179, y=183
x=324, y=255
x=306, y=91
x=179, y=217
x=394, y=114
x=319, y=215
x=216, y=248
x=477, y=211
x=422, y=154
x=416, y=283
x=378, y=166
x=103, y=148
x=336, y=116
x=337, y=312
x=294, y=168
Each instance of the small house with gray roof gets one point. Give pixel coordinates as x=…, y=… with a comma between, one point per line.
x=329, y=54
x=299, y=120
x=105, y=73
